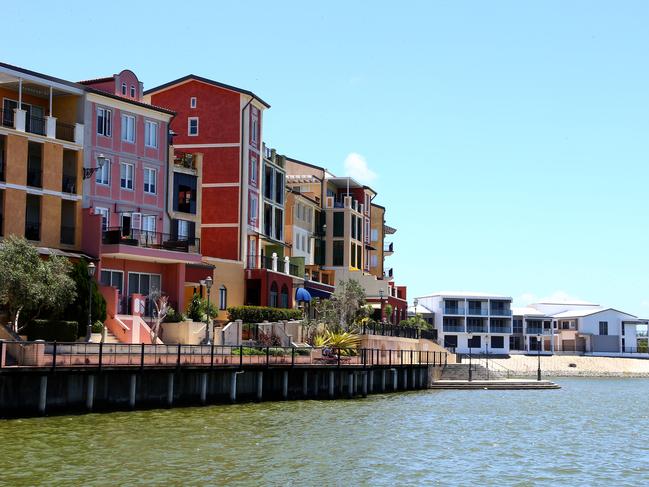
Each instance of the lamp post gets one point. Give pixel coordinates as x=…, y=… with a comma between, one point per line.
x=486, y=344
x=91, y=273
x=538, y=354
x=208, y=286
x=381, y=299
x=469, y=338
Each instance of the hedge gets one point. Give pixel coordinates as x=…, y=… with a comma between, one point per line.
x=258, y=314
x=50, y=330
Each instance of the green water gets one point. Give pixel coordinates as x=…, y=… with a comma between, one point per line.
x=591, y=432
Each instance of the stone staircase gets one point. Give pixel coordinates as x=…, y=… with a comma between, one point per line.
x=461, y=372
x=110, y=338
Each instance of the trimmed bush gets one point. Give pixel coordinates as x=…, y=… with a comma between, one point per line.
x=258, y=314
x=97, y=327
x=51, y=330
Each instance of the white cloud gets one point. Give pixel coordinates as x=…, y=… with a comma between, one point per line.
x=356, y=167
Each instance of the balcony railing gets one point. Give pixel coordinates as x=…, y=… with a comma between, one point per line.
x=266, y=262
x=500, y=329
x=389, y=248
x=69, y=184
x=35, y=125
x=537, y=330
x=7, y=118
x=501, y=312
x=453, y=310
x=478, y=311
x=448, y=327
x=153, y=240
x=67, y=235
x=64, y=131
x=476, y=328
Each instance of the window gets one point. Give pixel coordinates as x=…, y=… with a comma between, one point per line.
x=253, y=169
x=252, y=213
x=112, y=278
x=126, y=175
x=192, y=126
x=105, y=221
x=148, y=223
x=374, y=260
x=128, y=128
x=339, y=224
x=338, y=252
x=299, y=211
x=192, y=102
x=309, y=214
x=254, y=134
x=223, y=295
x=497, y=342
x=475, y=342
x=124, y=89
x=104, y=122
x=132, y=91
x=375, y=234
x=273, y=295
x=149, y=180
x=151, y=134
x=185, y=191
x=183, y=230
x=518, y=326
x=279, y=188
x=33, y=217
x=102, y=176
x=450, y=341
x=603, y=327
x=284, y=297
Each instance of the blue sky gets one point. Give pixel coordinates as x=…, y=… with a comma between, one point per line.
x=508, y=140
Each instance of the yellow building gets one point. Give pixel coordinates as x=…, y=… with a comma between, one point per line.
x=41, y=158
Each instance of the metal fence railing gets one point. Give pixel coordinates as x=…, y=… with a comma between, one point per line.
x=56, y=355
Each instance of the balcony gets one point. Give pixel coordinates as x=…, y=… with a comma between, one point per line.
x=389, y=249
x=33, y=230
x=69, y=184
x=35, y=178
x=273, y=263
x=477, y=311
x=454, y=310
x=67, y=235
x=476, y=327
x=453, y=327
x=44, y=126
x=500, y=328
x=388, y=274
x=500, y=312
x=151, y=240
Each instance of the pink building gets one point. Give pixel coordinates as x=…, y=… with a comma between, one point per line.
x=126, y=224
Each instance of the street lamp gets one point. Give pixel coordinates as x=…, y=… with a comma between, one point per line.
x=208, y=285
x=381, y=303
x=538, y=354
x=486, y=344
x=91, y=273
x=470, y=338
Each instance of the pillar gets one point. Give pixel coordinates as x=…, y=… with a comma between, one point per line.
x=233, y=387
x=365, y=384
x=316, y=384
x=285, y=384
x=90, y=392
x=413, y=378
x=42, y=396
x=132, y=389
x=305, y=384
x=383, y=380
x=203, y=387
x=394, y=379
x=331, y=383
x=260, y=385
x=405, y=379
x=371, y=381
x=170, y=389
x=350, y=384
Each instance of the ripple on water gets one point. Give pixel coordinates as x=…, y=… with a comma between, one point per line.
x=584, y=434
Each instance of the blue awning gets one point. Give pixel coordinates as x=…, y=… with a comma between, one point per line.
x=303, y=295
x=318, y=293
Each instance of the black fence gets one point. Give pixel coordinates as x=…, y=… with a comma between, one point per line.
x=55, y=355
x=64, y=131
x=387, y=329
x=156, y=240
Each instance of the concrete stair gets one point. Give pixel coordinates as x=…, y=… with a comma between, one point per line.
x=461, y=372
x=110, y=338
x=498, y=384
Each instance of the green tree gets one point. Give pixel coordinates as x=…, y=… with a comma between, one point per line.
x=31, y=285
x=77, y=310
x=345, y=306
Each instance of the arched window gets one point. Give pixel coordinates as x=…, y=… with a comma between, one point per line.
x=223, y=297
x=284, y=297
x=272, y=302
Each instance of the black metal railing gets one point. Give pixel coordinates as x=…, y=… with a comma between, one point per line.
x=35, y=125
x=388, y=329
x=69, y=184
x=64, y=131
x=33, y=230
x=35, y=177
x=67, y=235
x=154, y=240
x=57, y=355
x=7, y=117
x=294, y=270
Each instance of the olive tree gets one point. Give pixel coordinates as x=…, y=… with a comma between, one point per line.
x=345, y=306
x=31, y=284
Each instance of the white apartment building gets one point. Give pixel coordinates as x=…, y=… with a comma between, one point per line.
x=471, y=322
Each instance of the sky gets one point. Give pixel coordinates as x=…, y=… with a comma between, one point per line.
x=508, y=140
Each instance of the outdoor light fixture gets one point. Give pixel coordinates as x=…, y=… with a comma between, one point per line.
x=91, y=273
x=538, y=354
x=469, y=338
x=208, y=285
x=89, y=171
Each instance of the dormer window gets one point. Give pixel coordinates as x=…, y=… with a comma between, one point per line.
x=192, y=102
x=132, y=91
x=124, y=89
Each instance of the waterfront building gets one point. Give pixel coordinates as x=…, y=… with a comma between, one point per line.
x=470, y=321
x=140, y=249
x=225, y=124
x=343, y=244
x=41, y=159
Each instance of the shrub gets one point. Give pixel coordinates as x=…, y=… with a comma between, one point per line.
x=197, y=309
x=248, y=351
x=258, y=314
x=174, y=316
x=51, y=330
x=97, y=327
x=77, y=310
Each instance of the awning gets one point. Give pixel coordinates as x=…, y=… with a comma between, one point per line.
x=318, y=293
x=302, y=295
